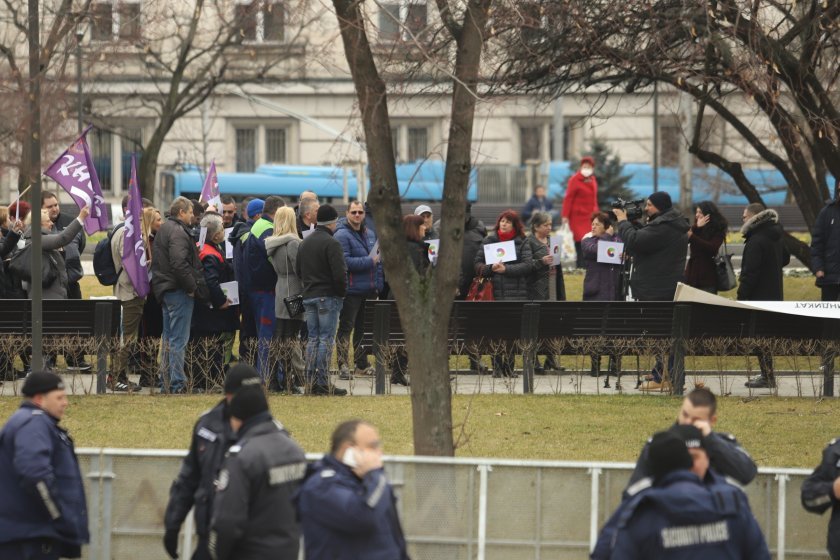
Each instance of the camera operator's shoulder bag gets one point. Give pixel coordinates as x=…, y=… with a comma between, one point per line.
x=725, y=272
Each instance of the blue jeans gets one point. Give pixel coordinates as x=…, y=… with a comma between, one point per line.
x=321, y=314
x=177, y=309
x=262, y=306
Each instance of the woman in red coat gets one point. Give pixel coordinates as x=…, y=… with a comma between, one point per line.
x=581, y=202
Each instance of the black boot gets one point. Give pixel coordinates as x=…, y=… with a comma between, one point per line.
x=595, y=370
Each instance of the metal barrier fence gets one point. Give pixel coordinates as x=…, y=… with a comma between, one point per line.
x=451, y=508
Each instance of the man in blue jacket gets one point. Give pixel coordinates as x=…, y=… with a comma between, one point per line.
x=43, y=513
x=364, y=280
x=690, y=512
x=346, y=506
x=821, y=491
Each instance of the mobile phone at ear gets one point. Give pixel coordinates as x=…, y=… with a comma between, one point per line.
x=349, y=458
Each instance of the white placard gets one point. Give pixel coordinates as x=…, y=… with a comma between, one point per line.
x=307, y=232
x=610, y=252
x=500, y=252
x=202, y=237
x=434, y=246
x=374, y=252
x=231, y=290
x=555, y=247
x=228, y=244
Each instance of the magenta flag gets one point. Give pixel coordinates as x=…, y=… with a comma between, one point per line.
x=134, y=249
x=75, y=172
x=210, y=189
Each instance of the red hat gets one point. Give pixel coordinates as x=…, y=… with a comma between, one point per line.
x=24, y=209
x=587, y=159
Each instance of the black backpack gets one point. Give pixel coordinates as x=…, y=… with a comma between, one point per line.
x=103, y=262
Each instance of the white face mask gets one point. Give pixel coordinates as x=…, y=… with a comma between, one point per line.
x=586, y=172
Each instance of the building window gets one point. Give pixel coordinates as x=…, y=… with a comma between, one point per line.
x=115, y=20
x=102, y=151
x=260, y=20
x=402, y=20
x=275, y=145
x=257, y=144
x=246, y=150
x=410, y=142
x=530, y=143
x=132, y=144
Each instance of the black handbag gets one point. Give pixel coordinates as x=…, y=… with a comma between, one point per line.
x=294, y=304
x=725, y=272
x=21, y=266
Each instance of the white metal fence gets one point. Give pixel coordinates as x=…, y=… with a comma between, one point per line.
x=451, y=508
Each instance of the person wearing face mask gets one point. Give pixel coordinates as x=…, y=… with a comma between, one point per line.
x=580, y=202
x=346, y=505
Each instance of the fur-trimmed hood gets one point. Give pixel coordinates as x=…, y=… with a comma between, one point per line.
x=768, y=216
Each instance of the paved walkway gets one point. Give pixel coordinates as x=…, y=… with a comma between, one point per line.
x=808, y=385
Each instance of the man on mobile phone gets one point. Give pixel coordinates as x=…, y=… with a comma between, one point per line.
x=346, y=506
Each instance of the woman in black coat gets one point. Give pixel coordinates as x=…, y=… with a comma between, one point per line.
x=543, y=277
x=418, y=251
x=510, y=279
x=704, y=239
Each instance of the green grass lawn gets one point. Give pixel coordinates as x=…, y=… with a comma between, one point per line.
x=778, y=432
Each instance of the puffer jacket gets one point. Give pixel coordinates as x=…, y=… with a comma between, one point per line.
x=602, y=279
x=41, y=486
x=658, y=250
x=7, y=283
x=175, y=263
x=763, y=259
x=363, y=276
x=474, y=233
x=52, y=245
x=541, y=273
x=283, y=253
x=825, y=244
x=213, y=320
x=513, y=283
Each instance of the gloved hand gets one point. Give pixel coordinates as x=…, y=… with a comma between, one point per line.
x=170, y=542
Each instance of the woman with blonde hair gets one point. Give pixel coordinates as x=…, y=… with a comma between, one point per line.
x=282, y=249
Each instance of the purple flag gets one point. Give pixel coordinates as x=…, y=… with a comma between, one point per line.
x=134, y=248
x=210, y=190
x=75, y=172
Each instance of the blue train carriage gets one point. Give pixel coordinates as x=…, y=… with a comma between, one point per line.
x=708, y=183
x=418, y=181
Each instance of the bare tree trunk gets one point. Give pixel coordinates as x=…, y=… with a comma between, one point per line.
x=147, y=172
x=424, y=303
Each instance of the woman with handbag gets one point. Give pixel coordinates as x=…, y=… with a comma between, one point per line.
x=509, y=279
x=704, y=239
x=282, y=249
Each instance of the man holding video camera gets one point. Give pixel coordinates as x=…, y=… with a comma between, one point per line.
x=658, y=248
x=659, y=251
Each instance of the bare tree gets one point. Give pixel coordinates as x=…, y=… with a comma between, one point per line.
x=58, y=22
x=424, y=302
x=738, y=59
x=186, y=52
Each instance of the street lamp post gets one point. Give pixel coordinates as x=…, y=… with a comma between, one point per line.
x=81, y=29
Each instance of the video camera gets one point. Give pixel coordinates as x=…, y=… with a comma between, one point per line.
x=633, y=208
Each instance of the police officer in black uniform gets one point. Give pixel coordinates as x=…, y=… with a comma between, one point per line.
x=727, y=457
x=690, y=513
x=211, y=438
x=253, y=515
x=43, y=514
x=821, y=490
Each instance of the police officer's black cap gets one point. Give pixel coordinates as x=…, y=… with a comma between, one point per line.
x=239, y=375
x=247, y=402
x=668, y=453
x=39, y=382
x=691, y=435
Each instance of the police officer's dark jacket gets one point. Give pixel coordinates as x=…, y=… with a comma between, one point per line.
x=194, y=485
x=726, y=456
x=345, y=518
x=818, y=494
x=681, y=517
x=41, y=492
x=253, y=515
